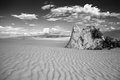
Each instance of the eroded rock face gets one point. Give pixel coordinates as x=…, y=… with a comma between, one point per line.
x=91, y=38
x=85, y=38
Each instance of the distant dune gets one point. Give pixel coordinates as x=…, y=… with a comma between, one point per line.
x=46, y=60
x=113, y=33
x=34, y=42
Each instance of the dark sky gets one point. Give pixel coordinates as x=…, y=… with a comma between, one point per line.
x=34, y=6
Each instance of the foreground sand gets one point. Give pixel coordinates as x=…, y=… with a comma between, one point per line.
x=34, y=62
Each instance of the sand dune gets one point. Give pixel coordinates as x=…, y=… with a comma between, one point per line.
x=31, y=62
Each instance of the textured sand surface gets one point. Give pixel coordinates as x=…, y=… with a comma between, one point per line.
x=30, y=62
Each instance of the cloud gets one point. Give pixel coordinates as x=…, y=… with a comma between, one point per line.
x=18, y=31
x=25, y=16
x=55, y=30
x=46, y=30
x=63, y=11
x=10, y=29
x=113, y=14
x=118, y=23
x=87, y=8
x=51, y=30
x=77, y=9
x=45, y=7
x=74, y=13
x=54, y=19
x=32, y=25
x=112, y=28
x=13, y=24
x=84, y=16
x=109, y=28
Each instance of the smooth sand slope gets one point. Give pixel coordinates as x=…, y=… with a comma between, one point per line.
x=20, y=61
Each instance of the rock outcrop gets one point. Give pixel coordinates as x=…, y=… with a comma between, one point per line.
x=110, y=43
x=89, y=38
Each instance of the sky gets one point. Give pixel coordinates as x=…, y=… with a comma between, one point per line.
x=25, y=17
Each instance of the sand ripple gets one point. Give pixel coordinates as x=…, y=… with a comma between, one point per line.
x=18, y=62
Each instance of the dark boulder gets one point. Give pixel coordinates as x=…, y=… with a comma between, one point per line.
x=110, y=43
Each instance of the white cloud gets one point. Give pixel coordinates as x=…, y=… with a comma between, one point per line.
x=69, y=14
x=14, y=31
x=118, y=23
x=13, y=24
x=18, y=31
x=25, y=16
x=114, y=14
x=77, y=9
x=51, y=30
x=89, y=9
x=112, y=28
x=56, y=29
x=98, y=20
x=47, y=6
x=10, y=29
x=32, y=25
x=109, y=28
x=62, y=9
x=54, y=19
x=1, y=27
x=83, y=16
x=46, y=30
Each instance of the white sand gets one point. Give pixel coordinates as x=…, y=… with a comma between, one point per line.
x=20, y=61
